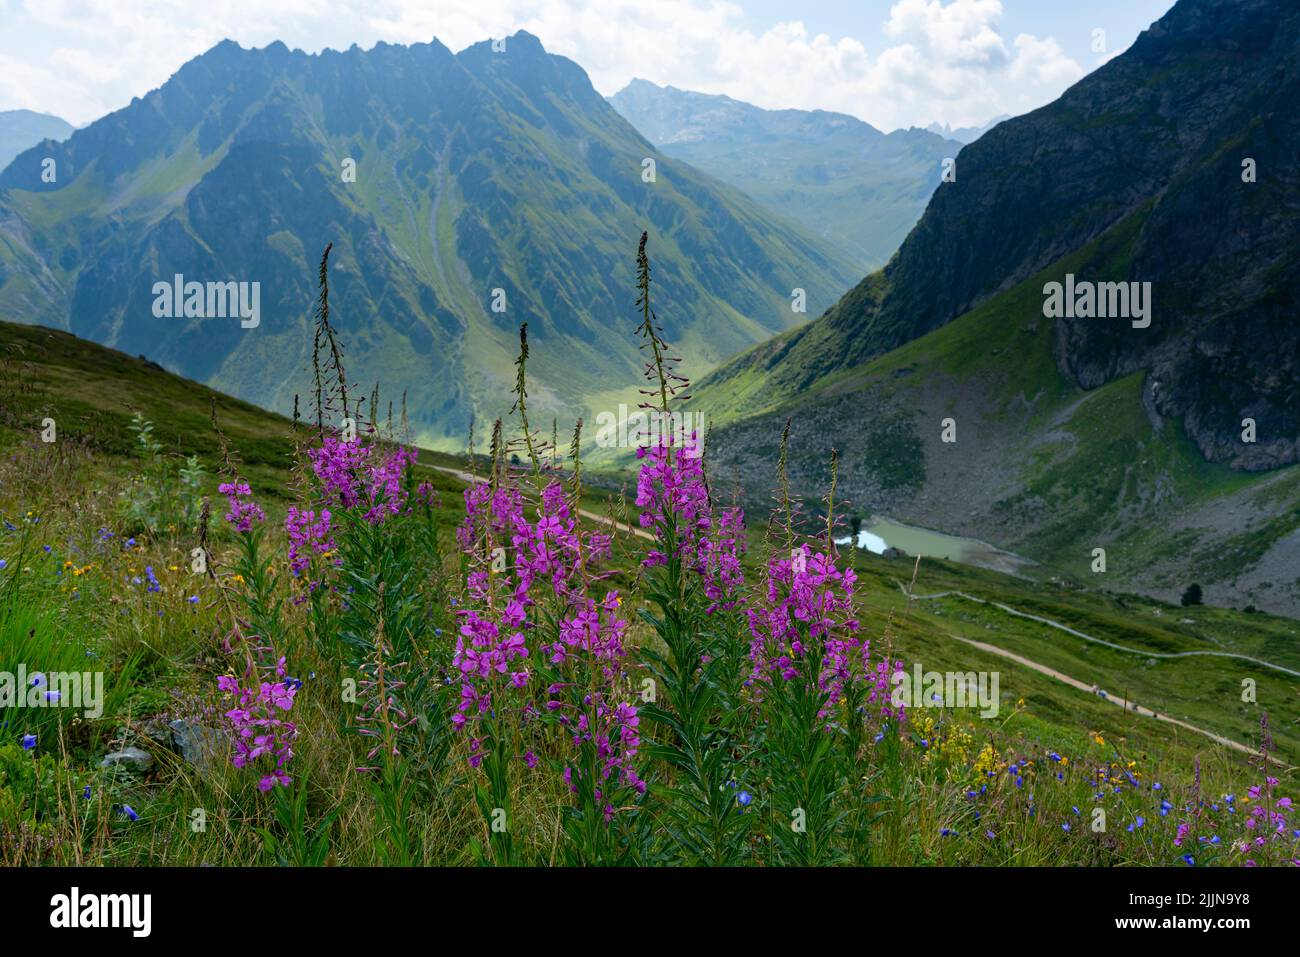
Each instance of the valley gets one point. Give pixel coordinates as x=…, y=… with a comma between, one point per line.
x=417, y=458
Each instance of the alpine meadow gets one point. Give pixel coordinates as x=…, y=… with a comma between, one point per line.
x=691, y=436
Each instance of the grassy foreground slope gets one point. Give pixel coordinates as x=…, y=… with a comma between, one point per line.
x=1032, y=765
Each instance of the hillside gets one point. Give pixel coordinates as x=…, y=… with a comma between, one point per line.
x=833, y=174
x=1152, y=147
x=1039, y=466
x=1078, y=433
x=163, y=649
x=464, y=194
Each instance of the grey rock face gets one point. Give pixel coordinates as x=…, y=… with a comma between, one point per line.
x=201, y=747
x=1175, y=164
x=128, y=757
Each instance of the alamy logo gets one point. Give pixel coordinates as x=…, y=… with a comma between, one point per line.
x=948, y=689
x=55, y=689
x=1098, y=300
x=683, y=430
x=134, y=911
x=179, y=299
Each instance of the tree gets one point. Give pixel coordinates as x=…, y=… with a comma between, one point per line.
x=1192, y=596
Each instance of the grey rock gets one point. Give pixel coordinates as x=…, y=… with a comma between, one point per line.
x=200, y=746
x=130, y=757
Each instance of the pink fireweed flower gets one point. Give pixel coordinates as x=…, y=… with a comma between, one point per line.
x=488, y=513
x=598, y=631
x=260, y=731
x=674, y=499
x=549, y=564
x=548, y=548
x=719, y=560
x=243, y=510
x=309, y=532
x=671, y=483
x=487, y=650
x=809, y=601
x=336, y=464
x=484, y=655
x=352, y=475
x=384, y=485
x=613, y=731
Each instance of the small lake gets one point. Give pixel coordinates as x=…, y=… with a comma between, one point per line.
x=882, y=533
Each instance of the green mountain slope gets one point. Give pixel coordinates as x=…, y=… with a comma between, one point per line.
x=833, y=174
x=1193, y=131
x=1073, y=434
x=1040, y=465
x=482, y=179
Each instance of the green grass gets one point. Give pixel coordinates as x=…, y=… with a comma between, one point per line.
x=161, y=654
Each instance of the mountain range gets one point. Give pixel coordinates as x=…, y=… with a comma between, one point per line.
x=465, y=194
x=1086, y=342
x=961, y=398
x=22, y=129
x=835, y=175
x=965, y=134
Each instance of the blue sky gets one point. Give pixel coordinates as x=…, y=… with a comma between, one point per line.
x=893, y=63
x=1071, y=22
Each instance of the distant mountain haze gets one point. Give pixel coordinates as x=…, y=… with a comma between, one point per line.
x=965, y=134
x=22, y=129
x=835, y=175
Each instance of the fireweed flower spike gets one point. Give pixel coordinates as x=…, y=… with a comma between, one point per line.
x=534, y=621
x=491, y=654
x=352, y=474
x=259, y=730
x=814, y=685
x=809, y=610
x=309, y=535
x=243, y=510
x=671, y=483
x=694, y=584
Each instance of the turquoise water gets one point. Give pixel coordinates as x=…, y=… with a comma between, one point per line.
x=882, y=533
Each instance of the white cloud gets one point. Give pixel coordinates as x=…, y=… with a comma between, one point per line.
x=962, y=32
x=1042, y=63
x=87, y=66
x=944, y=61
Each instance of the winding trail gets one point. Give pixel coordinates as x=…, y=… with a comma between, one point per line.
x=1123, y=702
x=1100, y=641
x=1092, y=689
